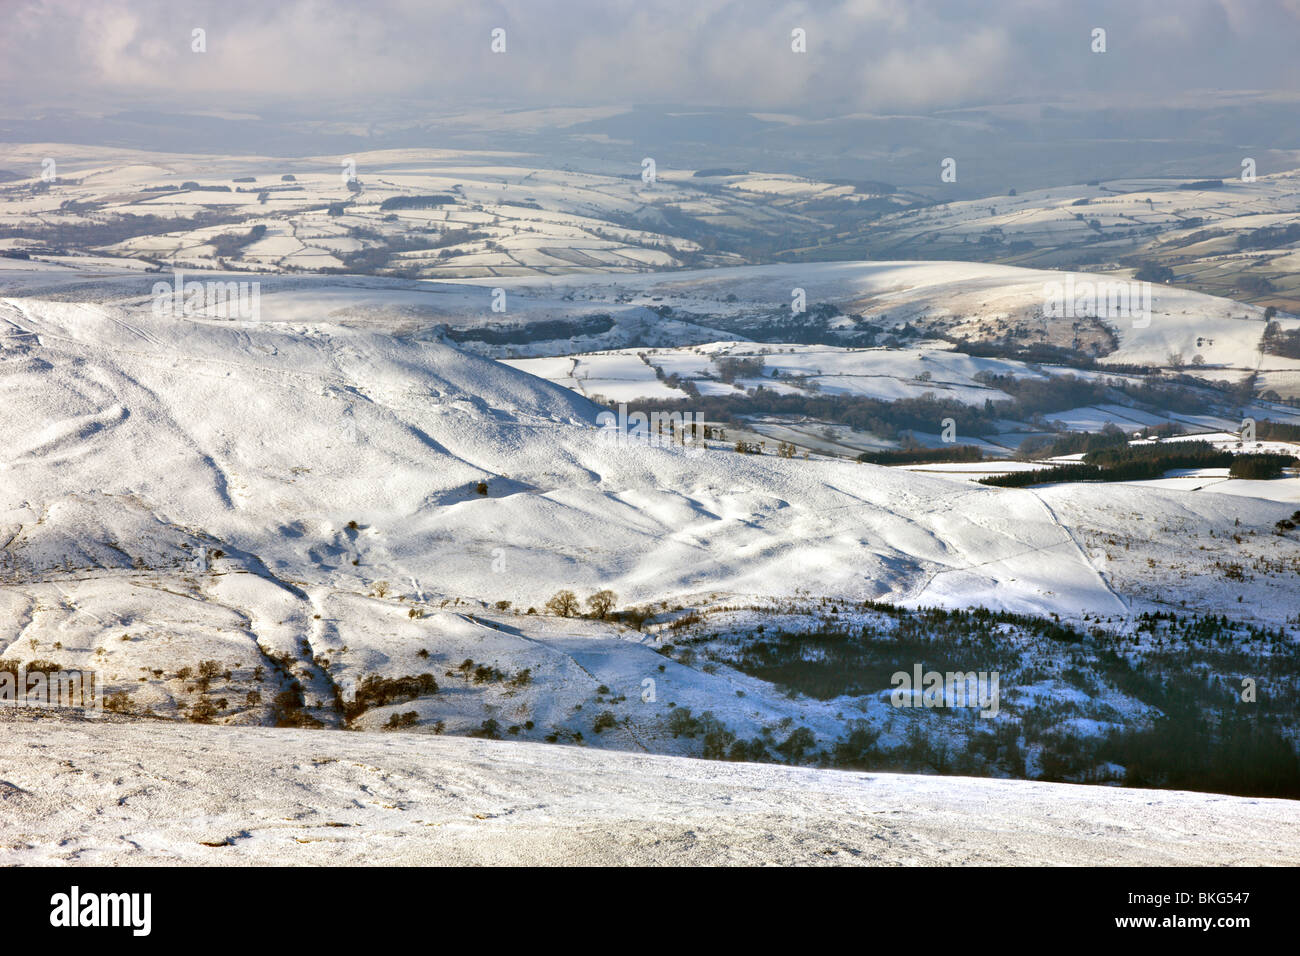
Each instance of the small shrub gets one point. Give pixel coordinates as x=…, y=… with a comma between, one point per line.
x=376, y=691
x=682, y=724
x=400, y=721
x=800, y=741
x=202, y=711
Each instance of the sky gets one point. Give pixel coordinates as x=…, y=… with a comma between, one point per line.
x=866, y=56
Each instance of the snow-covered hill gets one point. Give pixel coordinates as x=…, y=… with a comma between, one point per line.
x=96, y=793
x=132, y=438
x=969, y=301
x=299, y=502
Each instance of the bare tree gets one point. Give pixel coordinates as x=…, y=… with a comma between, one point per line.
x=601, y=603
x=563, y=603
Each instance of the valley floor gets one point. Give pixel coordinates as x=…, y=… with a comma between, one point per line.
x=107, y=792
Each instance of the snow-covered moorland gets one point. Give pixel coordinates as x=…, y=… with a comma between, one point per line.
x=139, y=793
x=327, y=522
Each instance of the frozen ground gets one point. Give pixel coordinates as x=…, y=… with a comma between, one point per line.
x=298, y=498
x=244, y=522
x=1221, y=240
x=91, y=793
x=213, y=514
x=964, y=300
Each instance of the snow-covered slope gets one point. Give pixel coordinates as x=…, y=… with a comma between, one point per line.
x=96, y=793
x=131, y=440
x=304, y=495
x=967, y=300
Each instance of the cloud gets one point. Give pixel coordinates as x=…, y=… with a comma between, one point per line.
x=868, y=55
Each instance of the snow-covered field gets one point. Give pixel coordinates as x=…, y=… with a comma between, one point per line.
x=247, y=521
x=112, y=793
x=497, y=214
x=568, y=239
x=1222, y=239
x=974, y=301
x=1111, y=210
x=887, y=374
